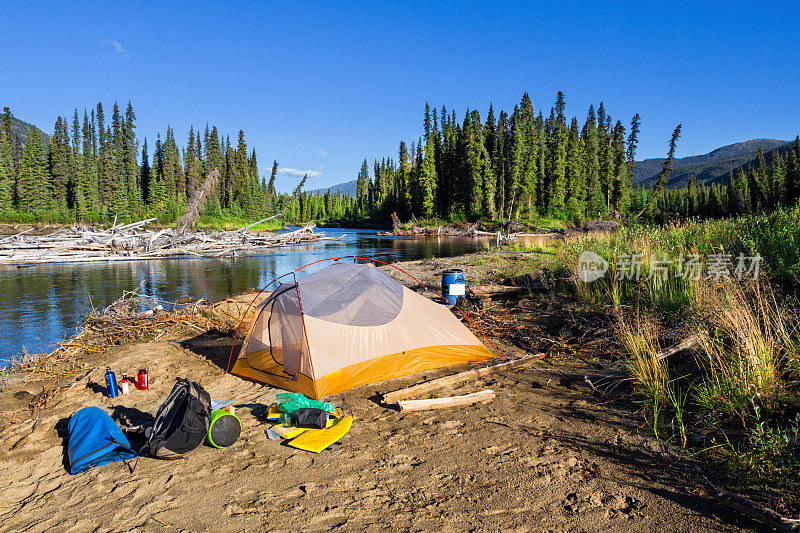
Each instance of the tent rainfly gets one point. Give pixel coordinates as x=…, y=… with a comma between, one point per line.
x=347, y=325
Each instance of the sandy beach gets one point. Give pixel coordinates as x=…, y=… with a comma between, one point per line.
x=547, y=454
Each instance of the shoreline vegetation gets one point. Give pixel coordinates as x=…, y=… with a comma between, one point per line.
x=521, y=166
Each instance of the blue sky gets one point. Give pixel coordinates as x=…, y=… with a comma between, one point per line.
x=321, y=86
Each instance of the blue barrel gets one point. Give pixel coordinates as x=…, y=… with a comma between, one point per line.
x=453, y=284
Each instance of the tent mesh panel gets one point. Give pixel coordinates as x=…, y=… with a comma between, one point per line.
x=343, y=293
x=351, y=294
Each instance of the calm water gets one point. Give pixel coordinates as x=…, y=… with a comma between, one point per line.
x=44, y=303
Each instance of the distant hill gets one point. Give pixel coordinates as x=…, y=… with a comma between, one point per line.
x=348, y=187
x=20, y=129
x=707, y=168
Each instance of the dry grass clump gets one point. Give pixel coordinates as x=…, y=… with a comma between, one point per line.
x=650, y=375
x=747, y=360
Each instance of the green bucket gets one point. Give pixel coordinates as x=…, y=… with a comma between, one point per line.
x=224, y=429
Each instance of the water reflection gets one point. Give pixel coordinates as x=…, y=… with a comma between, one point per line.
x=45, y=303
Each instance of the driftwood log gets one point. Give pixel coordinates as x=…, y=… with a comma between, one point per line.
x=747, y=507
x=133, y=241
x=469, y=375
x=493, y=291
x=196, y=202
x=444, y=403
x=689, y=342
x=396, y=224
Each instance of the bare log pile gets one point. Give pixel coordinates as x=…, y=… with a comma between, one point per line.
x=133, y=241
x=510, y=232
x=459, y=229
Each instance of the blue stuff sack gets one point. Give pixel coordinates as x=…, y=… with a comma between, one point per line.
x=94, y=439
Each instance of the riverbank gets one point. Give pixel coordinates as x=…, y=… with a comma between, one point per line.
x=135, y=242
x=559, y=448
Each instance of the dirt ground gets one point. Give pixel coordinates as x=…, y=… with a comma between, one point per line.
x=546, y=455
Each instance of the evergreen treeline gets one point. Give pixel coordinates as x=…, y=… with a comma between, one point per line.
x=755, y=187
x=518, y=166
x=93, y=170
x=526, y=165
x=522, y=165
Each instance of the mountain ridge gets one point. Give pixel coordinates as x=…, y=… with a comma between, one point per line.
x=347, y=187
x=711, y=167
x=19, y=130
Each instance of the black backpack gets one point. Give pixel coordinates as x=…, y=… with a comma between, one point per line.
x=181, y=422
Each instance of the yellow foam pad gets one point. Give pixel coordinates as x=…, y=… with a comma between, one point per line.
x=316, y=440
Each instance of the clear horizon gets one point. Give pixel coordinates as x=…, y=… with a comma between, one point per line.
x=321, y=87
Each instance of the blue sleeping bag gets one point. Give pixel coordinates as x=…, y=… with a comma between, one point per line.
x=94, y=440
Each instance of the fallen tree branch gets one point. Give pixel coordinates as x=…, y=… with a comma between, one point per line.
x=130, y=242
x=591, y=386
x=443, y=403
x=12, y=237
x=489, y=291
x=689, y=342
x=196, y=203
x=247, y=227
x=469, y=375
x=748, y=507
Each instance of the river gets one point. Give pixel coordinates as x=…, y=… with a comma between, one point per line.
x=43, y=304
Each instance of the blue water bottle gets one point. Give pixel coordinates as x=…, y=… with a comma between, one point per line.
x=111, y=383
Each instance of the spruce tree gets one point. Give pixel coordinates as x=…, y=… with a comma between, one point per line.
x=271, y=185
x=192, y=165
x=666, y=170
x=241, y=172
x=145, y=174
x=427, y=180
x=501, y=157
x=6, y=163
x=739, y=201
x=574, y=173
x=594, y=197
x=362, y=189
x=633, y=143
x=86, y=194
x=155, y=191
x=403, y=180
x=129, y=166
x=531, y=188
x=558, y=158
x=59, y=165
x=620, y=185
x=104, y=186
x=792, y=178
x=777, y=176
x=33, y=194
x=517, y=166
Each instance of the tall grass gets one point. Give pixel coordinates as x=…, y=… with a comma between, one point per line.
x=746, y=371
x=639, y=338
x=650, y=374
x=753, y=342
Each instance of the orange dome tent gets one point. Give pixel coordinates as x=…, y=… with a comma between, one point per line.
x=347, y=325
